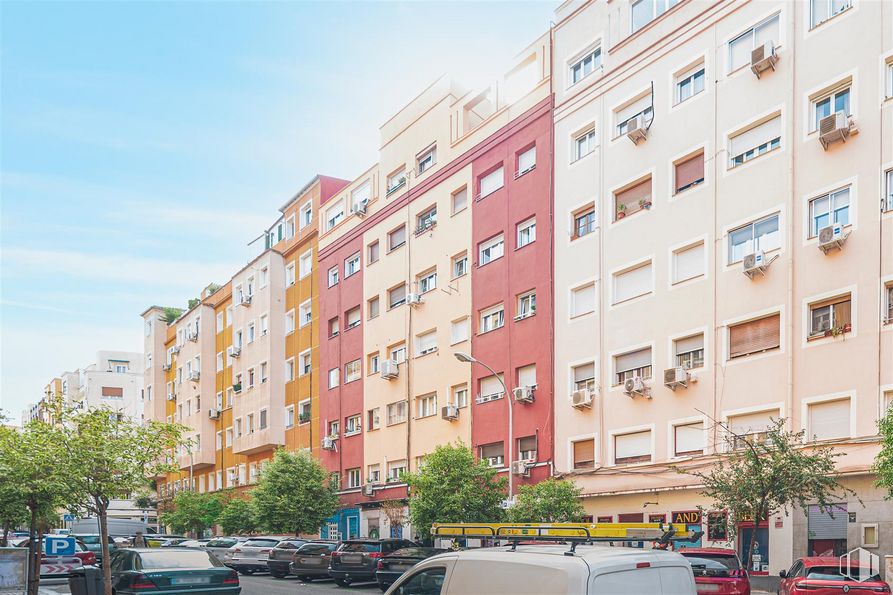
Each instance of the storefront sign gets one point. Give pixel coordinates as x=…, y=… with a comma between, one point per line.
x=689, y=517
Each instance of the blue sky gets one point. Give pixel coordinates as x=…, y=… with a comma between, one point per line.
x=145, y=143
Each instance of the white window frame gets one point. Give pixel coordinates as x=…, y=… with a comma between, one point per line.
x=525, y=305
x=488, y=248
x=491, y=319
x=306, y=307
x=302, y=361
x=352, y=265
x=579, y=64
x=751, y=32
x=526, y=230
x=848, y=4
x=690, y=75
x=305, y=258
x=427, y=282
x=583, y=143
x=305, y=220
x=754, y=243
x=659, y=7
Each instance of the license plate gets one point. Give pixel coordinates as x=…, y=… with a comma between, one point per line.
x=707, y=588
x=355, y=559
x=400, y=566
x=311, y=561
x=191, y=580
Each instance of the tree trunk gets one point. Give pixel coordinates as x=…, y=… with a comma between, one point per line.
x=33, y=555
x=102, y=515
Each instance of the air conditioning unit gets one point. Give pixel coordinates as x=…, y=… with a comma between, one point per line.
x=166, y=367
x=635, y=386
x=833, y=128
x=582, y=398
x=676, y=377
x=413, y=299
x=194, y=376
x=523, y=394
x=450, y=412
x=832, y=237
x=237, y=351
x=214, y=413
x=763, y=58
x=328, y=443
x=175, y=349
x=520, y=468
x=389, y=369
x=494, y=461
x=637, y=129
x=368, y=489
x=246, y=300
x=359, y=209
x=755, y=263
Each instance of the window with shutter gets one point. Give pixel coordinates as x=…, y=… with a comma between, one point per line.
x=688, y=262
x=584, y=376
x=493, y=454
x=688, y=439
x=755, y=141
x=751, y=424
x=638, y=107
x=633, y=364
x=689, y=351
x=426, y=342
x=352, y=318
x=460, y=200
x=583, y=300
x=397, y=296
x=689, y=172
x=527, y=375
x=491, y=182
x=632, y=199
x=584, y=454
x=527, y=448
x=755, y=336
x=632, y=283
x=829, y=420
x=830, y=317
x=459, y=331
x=490, y=388
x=397, y=238
x=632, y=448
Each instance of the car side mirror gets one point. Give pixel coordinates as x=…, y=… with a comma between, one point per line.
x=782, y=573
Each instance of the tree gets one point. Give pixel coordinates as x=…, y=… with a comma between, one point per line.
x=767, y=473
x=294, y=494
x=111, y=455
x=193, y=512
x=883, y=462
x=13, y=510
x=451, y=487
x=237, y=517
x=549, y=501
x=170, y=314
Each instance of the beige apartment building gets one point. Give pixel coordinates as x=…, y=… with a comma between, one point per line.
x=723, y=251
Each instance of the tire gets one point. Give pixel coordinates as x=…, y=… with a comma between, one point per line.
x=278, y=574
x=383, y=587
x=340, y=582
x=246, y=572
x=305, y=578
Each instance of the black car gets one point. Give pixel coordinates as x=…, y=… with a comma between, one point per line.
x=356, y=560
x=170, y=571
x=311, y=561
x=281, y=556
x=392, y=565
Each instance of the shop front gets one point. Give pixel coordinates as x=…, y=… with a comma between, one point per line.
x=344, y=524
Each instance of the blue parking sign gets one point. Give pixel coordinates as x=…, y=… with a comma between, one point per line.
x=59, y=546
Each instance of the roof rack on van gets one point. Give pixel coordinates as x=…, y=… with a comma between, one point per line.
x=573, y=533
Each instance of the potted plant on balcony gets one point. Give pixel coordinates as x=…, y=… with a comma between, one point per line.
x=237, y=387
x=303, y=418
x=621, y=211
x=839, y=330
x=645, y=203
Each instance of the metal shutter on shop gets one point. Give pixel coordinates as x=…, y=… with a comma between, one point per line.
x=823, y=526
x=755, y=336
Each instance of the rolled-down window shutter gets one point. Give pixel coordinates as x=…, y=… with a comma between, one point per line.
x=632, y=446
x=491, y=385
x=584, y=372
x=752, y=423
x=688, y=263
x=631, y=196
x=755, y=336
x=584, y=454
x=689, y=438
x=632, y=283
x=689, y=344
x=491, y=450
x=828, y=524
x=527, y=375
x=689, y=171
x=112, y=391
x=634, y=359
x=843, y=313
x=829, y=420
x=755, y=136
x=634, y=108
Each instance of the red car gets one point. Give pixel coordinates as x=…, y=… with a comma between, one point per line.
x=821, y=576
x=717, y=571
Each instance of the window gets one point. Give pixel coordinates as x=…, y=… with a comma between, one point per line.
x=220, y=322
x=491, y=182
x=632, y=199
x=688, y=172
x=741, y=46
x=427, y=281
x=584, y=143
x=582, y=300
x=305, y=362
x=426, y=219
x=460, y=265
x=289, y=322
x=264, y=276
x=290, y=416
x=354, y=478
x=251, y=332
x=460, y=395
x=396, y=469
x=632, y=283
x=426, y=160
x=492, y=318
x=333, y=377
x=397, y=238
x=372, y=251
x=830, y=317
x=305, y=311
x=333, y=276
x=755, y=141
x=889, y=84
x=887, y=204
x=262, y=423
x=632, y=448
x=372, y=307
x=755, y=336
x=822, y=10
x=251, y=377
x=396, y=413
x=491, y=388
x=526, y=305
x=250, y=423
x=334, y=327
x=833, y=207
x=493, y=454
x=353, y=425
x=526, y=375
x=290, y=274
x=218, y=442
x=372, y=363
x=352, y=318
x=584, y=222
x=352, y=371
x=359, y=197
x=426, y=342
x=459, y=200
x=306, y=215
x=229, y=437
x=624, y=116
x=334, y=215
x=373, y=419
x=334, y=428
x=585, y=65
x=397, y=353
x=689, y=352
x=397, y=296
x=305, y=263
x=584, y=376
x=762, y=234
x=688, y=439
x=635, y=364
x=888, y=290
x=830, y=103
x=527, y=449
x=264, y=325
x=220, y=362
x=459, y=331
x=690, y=82
x=526, y=161
x=396, y=180
x=688, y=262
x=305, y=411
x=645, y=11
x=426, y=405
x=584, y=454
x=490, y=250
x=526, y=232
x=829, y=420
x=751, y=424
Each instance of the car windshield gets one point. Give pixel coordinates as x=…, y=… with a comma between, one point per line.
x=221, y=542
x=361, y=546
x=260, y=543
x=289, y=545
x=711, y=564
x=310, y=549
x=832, y=573
x=177, y=559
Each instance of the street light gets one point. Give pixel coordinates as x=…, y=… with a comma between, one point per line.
x=466, y=358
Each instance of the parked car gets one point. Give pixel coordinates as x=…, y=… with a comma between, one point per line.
x=821, y=575
x=220, y=545
x=250, y=556
x=94, y=544
x=61, y=566
x=161, y=540
x=537, y=569
x=280, y=556
x=171, y=571
x=199, y=543
x=392, y=566
x=173, y=541
x=717, y=570
x=356, y=560
x=311, y=560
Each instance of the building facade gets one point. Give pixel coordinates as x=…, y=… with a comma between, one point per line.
x=696, y=292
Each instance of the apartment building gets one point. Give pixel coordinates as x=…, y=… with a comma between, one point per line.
x=723, y=252
x=403, y=289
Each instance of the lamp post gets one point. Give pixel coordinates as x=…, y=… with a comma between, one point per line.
x=468, y=359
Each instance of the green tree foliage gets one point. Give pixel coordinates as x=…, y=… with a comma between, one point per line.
x=237, y=517
x=549, y=501
x=765, y=474
x=193, y=512
x=883, y=463
x=170, y=314
x=13, y=510
x=451, y=487
x=294, y=494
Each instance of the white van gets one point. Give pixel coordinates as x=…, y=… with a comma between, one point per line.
x=116, y=527
x=548, y=570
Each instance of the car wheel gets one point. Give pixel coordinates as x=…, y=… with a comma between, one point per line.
x=383, y=587
x=246, y=572
x=306, y=579
x=340, y=582
x=278, y=574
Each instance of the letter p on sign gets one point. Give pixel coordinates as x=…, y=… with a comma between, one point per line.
x=60, y=546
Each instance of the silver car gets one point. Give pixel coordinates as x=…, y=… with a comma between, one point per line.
x=219, y=546
x=251, y=555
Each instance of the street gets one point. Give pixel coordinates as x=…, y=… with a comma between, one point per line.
x=262, y=584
